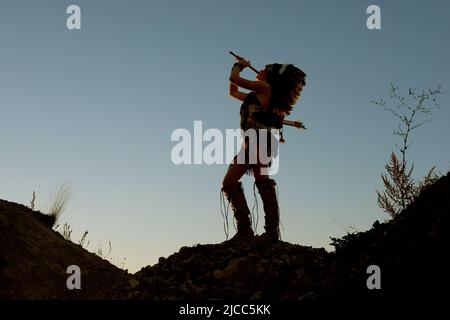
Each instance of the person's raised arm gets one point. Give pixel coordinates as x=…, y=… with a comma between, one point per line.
x=235, y=78
x=234, y=92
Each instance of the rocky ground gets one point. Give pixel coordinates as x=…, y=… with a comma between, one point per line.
x=235, y=271
x=411, y=252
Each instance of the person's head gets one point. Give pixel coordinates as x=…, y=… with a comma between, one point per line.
x=287, y=82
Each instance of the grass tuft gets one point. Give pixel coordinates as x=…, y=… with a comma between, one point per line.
x=59, y=202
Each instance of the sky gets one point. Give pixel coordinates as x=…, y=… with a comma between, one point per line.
x=96, y=108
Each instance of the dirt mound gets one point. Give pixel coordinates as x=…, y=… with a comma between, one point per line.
x=235, y=271
x=411, y=250
x=34, y=261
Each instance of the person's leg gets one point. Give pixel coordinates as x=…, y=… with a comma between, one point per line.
x=267, y=190
x=234, y=173
x=265, y=146
x=233, y=190
x=257, y=174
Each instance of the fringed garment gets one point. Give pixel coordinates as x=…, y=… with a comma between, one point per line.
x=253, y=116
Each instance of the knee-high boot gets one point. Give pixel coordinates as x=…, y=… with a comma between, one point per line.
x=266, y=189
x=235, y=195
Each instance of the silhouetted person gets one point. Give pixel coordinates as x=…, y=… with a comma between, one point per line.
x=272, y=97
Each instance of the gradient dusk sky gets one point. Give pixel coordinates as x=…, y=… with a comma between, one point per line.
x=96, y=108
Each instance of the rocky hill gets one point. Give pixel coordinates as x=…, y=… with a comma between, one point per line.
x=411, y=252
x=235, y=271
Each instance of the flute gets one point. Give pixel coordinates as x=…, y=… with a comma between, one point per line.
x=240, y=58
